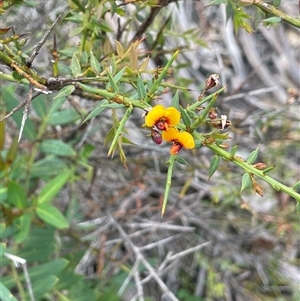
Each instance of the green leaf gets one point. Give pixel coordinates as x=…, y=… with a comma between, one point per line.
x=214, y=165
x=39, y=106
x=44, y=167
x=246, y=181
x=53, y=267
x=3, y=196
x=12, y=151
x=23, y=223
x=75, y=66
x=65, y=91
x=175, y=101
x=52, y=216
x=64, y=117
x=95, y=65
x=182, y=161
x=266, y=170
x=272, y=20
x=6, y=295
x=296, y=187
x=75, y=31
x=233, y=151
x=141, y=88
x=112, y=83
x=252, y=157
x=98, y=109
x=50, y=190
x=56, y=104
x=57, y=147
x=185, y=117
x=113, y=105
x=43, y=285
x=119, y=75
x=11, y=102
x=16, y=195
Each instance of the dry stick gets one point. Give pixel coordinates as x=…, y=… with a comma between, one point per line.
x=188, y=251
x=154, y=11
x=140, y=257
x=25, y=112
x=18, y=107
x=41, y=43
x=169, y=258
x=139, y=286
x=129, y=276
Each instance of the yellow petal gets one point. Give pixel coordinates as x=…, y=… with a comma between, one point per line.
x=186, y=140
x=172, y=115
x=154, y=115
x=170, y=135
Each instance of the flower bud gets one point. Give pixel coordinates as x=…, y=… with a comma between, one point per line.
x=156, y=136
x=260, y=165
x=212, y=81
x=212, y=114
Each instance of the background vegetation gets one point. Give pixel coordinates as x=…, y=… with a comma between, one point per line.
x=82, y=182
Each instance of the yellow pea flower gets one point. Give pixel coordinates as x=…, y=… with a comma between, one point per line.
x=179, y=139
x=162, y=117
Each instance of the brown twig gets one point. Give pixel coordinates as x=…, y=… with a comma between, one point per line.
x=41, y=43
x=154, y=11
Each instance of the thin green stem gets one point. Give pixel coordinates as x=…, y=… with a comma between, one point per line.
x=168, y=183
x=250, y=169
x=204, y=113
x=115, y=97
x=119, y=130
x=158, y=81
x=267, y=8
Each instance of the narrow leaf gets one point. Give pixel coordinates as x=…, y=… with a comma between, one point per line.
x=296, y=187
x=119, y=49
x=233, y=151
x=214, y=165
x=141, y=88
x=12, y=152
x=175, y=100
x=56, y=105
x=112, y=83
x=99, y=108
x=267, y=170
x=52, y=216
x=144, y=64
x=6, y=295
x=75, y=66
x=119, y=130
x=50, y=190
x=133, y=58
x=182, y=161
x=185, y=117
x=272, y=20
x=23, y=223
x=95, y=65
x=246, y=181
x=119, y=75
x=252, y=157
x=65, y=91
